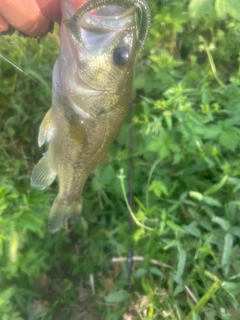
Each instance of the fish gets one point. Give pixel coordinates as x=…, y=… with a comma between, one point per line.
x=91, y=90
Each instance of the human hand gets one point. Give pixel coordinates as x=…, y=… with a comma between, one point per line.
x=31, y=17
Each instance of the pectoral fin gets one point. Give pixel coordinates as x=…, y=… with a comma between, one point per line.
x=43, y=174
x=46, y=128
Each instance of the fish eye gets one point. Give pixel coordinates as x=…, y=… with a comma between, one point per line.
x=121, y=56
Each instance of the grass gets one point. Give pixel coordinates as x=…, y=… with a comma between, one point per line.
x=185, y=184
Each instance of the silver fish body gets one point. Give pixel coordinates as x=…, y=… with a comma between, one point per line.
x=92, y=86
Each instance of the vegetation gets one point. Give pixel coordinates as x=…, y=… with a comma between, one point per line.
x=186, y=184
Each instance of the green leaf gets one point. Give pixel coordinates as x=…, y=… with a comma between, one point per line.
x=211, y=201
x=216, y=187
x=222, y=222
x=232, y=287
x=212, y=131
x=221, y=8
x=198, y=8
x=174, y=226
x=117, y=296
x=235, y=231
x=182, y=255
x=231, y=7
x=168, y=118
x=6, y=295
x=205, y=199
x=227, y=251
x=158, y=188
x=154, y=145
x=229, y=139
x=177, y=158
x=148, y=100
x=138, y=234
x=231, y=122
x=139, y=273
x=193, y=230
x=157, y=272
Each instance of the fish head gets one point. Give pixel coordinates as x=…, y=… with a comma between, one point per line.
x=99, y=43
x=105, y=43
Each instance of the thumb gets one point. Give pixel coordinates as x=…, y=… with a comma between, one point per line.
x=51, y=8
x=25, y=16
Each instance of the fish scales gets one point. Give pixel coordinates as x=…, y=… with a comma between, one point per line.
x=92, y=86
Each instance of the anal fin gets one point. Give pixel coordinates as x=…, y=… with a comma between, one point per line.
x=43, y=174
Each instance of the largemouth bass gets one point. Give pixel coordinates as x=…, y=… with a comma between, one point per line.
x=92, y=86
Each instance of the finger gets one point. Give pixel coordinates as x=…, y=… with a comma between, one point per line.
x=51, y=8
x=3, y=25
x=25, y=16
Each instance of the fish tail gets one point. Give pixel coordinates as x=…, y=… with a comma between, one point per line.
x=61, y=212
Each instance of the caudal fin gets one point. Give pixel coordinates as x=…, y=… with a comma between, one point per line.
x=61, y=212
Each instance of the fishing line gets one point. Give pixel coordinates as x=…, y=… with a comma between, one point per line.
x=131, y=150
x=19, y=69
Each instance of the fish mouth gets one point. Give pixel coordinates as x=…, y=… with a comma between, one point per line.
x=102, y=31
x=107, y=19
x=98, y=24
